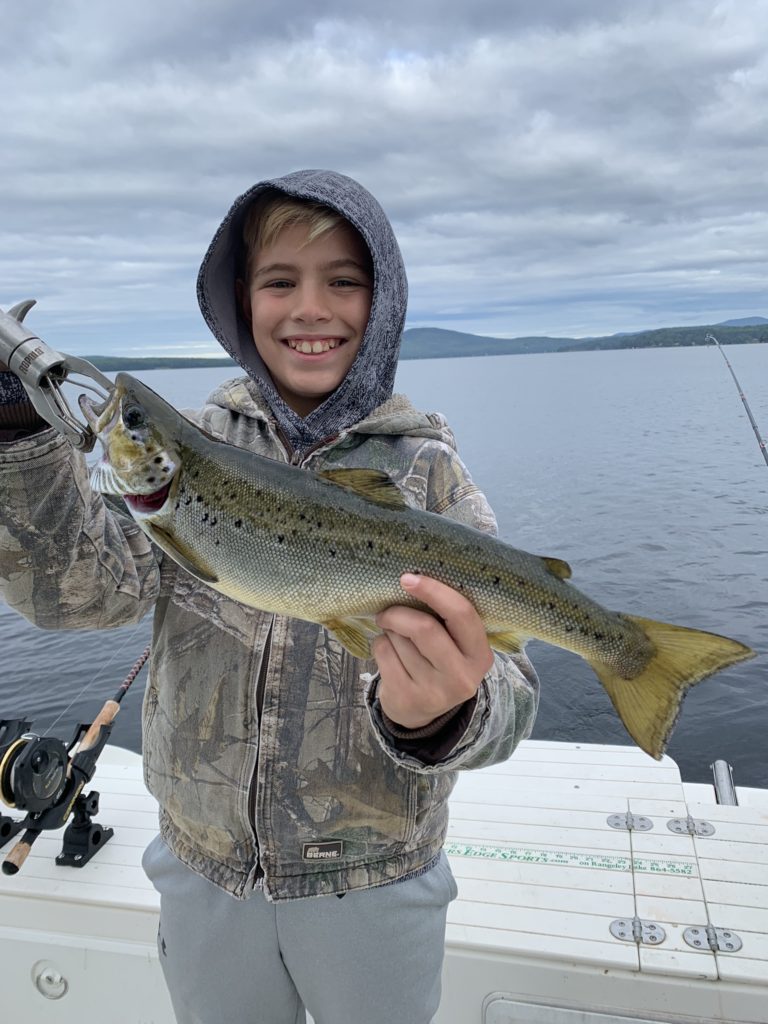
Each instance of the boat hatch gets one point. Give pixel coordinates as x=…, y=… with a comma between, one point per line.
x=504, y=1010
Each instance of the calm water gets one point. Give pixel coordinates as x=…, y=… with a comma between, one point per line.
x=640, y=468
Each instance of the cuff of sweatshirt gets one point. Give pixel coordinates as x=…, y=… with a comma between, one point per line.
x=19, y=419
x=434, y=742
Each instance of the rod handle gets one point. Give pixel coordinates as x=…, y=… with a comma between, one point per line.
x=105, y=717
x=20, y=852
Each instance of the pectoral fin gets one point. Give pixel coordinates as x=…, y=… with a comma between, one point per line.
x=354, y=634
x=179, y=553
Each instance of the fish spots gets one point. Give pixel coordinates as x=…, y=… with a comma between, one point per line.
x=238, y=523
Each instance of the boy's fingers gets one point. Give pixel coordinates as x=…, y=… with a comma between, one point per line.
x=459, y=615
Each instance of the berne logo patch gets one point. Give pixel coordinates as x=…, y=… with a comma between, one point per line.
x=322, y=851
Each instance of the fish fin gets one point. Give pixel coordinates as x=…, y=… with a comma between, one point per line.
x=507, y=643
x=649, y=704
x=178, y=552
x=557, y=567
x=105, y=480
x=368, y=483
x=352, y=634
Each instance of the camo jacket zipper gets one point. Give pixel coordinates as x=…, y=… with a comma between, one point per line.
x=295, y=459
x=261, y=684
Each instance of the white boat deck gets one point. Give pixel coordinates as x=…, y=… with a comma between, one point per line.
x=541, y=877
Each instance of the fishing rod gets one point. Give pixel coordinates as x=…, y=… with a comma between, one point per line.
x=45, y=777
x=742, y=396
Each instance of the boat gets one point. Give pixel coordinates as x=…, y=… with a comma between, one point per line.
x=595, y=887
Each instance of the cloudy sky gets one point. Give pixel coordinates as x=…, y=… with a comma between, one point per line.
x=562, y=167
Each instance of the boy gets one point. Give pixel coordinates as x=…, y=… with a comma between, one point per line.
x=303, y=793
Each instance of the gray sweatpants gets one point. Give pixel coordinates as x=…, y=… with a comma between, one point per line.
x=372, y=956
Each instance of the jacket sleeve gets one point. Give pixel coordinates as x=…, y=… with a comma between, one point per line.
x=488, y=728
x=67, y=560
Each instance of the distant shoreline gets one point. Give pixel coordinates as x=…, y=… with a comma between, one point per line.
x=435, y=343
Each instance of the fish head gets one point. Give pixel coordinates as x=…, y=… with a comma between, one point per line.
x=141, y=459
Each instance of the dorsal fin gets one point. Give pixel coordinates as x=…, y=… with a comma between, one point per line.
x=368, y=483
x=557, y=567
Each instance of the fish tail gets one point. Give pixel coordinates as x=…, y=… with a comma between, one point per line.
x=649, y=704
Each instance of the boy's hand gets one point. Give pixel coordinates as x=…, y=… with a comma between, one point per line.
x=429, y=665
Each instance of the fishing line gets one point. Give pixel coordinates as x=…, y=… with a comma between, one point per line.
x=743, y=397
x=94, y=678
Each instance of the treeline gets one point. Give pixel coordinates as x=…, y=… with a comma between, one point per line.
x=436, y=343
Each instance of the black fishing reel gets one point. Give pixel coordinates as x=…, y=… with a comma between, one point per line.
x=45, y=777
x=33, y=769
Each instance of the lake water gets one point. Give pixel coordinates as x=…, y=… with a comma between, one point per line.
x=639, y=468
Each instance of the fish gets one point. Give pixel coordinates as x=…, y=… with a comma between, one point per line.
x=330, y=547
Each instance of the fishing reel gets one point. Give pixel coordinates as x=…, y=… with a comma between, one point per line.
x=45, y=777
x=33, y=769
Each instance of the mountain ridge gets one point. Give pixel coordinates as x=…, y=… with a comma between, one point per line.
x=441, y=343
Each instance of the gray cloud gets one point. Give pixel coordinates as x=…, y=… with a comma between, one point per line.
x=561, y=168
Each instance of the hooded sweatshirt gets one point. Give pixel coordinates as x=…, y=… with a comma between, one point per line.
x=371, y=377
x=264, y=741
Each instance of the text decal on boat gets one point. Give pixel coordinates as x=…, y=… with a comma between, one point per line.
x=571, y=859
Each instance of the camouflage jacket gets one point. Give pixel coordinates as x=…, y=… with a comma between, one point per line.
x=263, y=740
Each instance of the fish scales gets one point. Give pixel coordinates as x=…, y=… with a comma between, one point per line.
x=331, y=547
x=360, y=550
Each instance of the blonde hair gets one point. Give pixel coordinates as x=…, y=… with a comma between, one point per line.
x=270, y=214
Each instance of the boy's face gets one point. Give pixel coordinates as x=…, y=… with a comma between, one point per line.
x=308, y=306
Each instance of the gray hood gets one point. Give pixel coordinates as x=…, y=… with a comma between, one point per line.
x=371, y=377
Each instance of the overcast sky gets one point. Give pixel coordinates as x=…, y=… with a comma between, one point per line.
x=561, y=167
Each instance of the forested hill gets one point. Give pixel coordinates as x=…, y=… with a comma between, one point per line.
x=436, y=343
x=433, y=342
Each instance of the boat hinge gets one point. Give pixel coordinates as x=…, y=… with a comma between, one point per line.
x=634, y=930
x=630, y=822
x=691, y=826
x=719, y=940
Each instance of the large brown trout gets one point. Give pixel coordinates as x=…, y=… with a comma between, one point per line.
x=330, y=547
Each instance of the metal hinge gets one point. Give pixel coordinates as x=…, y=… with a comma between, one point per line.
x=630, y=822
x=720, y=940
x=635, y=930
x=691, y=826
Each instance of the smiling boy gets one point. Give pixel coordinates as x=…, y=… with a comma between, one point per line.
x=307, y=299
x=303, y=793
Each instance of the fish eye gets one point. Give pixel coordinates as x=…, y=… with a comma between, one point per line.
x=133, y=416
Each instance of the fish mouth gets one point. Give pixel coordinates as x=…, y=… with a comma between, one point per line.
x=147, y=503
